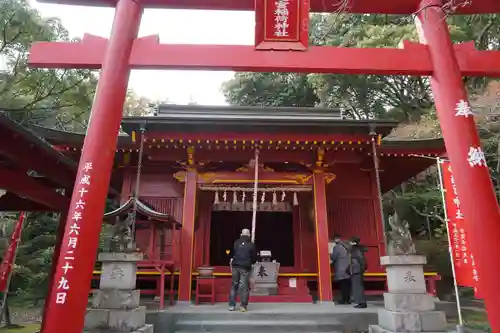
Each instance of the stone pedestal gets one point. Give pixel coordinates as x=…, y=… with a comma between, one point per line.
x=115, y=306
x=407, y=306
x=265, y=277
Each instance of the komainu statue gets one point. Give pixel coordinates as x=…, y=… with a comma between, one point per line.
x=400, y=241
x=122, y=240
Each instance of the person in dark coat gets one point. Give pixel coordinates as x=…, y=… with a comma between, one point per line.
x=341, y=262
x=358, y=269
x=244, y=257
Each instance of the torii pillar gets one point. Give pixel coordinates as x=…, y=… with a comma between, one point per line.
x=472, y=177
x=68, y=296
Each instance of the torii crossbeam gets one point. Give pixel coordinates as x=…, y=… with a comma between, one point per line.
x=148, y=53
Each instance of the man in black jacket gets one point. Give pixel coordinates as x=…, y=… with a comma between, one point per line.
x=244, y=257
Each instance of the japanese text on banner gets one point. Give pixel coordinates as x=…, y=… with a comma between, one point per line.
x=465, y=270
x=75, y=221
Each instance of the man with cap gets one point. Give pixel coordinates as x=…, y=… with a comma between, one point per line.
x=244, y=257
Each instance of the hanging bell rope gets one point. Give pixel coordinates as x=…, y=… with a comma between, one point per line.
x=375, y=141
x=255, y=188
x=133, y=215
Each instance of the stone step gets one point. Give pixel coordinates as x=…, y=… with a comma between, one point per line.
x=247, y=326
x=288, y=331
x=351, y=317
x=264, y=318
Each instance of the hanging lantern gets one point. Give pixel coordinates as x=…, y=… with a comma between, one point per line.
x=224, y=196
x=216, y=199
x=275, y=198
x=283, y=196
x=295, y=199
x=235, y=197
x=263, y=197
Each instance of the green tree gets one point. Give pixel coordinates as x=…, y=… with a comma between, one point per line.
x=55, y=98
x=270, y=89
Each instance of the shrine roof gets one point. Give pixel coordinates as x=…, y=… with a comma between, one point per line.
x=430, y=143
x=34, y=140
x=358, y=6
x=245, y=119
x=215, y=120
x=55, y=136
x=31, y=170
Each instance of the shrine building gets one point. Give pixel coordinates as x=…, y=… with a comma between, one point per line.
x=195, y=165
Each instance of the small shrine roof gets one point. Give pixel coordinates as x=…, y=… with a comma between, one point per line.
x=142, y=209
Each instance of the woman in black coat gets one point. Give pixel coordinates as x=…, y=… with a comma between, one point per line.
x=358, y=268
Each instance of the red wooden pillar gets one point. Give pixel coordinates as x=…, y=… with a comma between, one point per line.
x=472, y=178
x=321, y=230
x=67, y=305
x=187, y=236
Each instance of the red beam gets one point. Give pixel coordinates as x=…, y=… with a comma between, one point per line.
x=358, y=6
x=25, y=186
x=148, y=53
x=230, y=177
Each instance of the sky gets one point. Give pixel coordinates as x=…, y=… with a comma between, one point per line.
x=173, y=26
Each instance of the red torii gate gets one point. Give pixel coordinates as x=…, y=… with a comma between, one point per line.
x=442, y=60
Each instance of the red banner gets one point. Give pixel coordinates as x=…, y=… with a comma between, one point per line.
x=463, y=258
x=10, y=254
x=282, y=24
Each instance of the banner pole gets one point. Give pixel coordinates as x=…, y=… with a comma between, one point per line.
x=21, y=220
x=255, y=187
x=460, y=325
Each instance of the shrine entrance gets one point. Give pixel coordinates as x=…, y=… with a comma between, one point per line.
x=274, y=232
